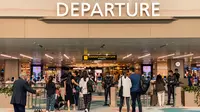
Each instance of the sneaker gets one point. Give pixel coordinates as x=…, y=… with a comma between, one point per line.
x=86, y=110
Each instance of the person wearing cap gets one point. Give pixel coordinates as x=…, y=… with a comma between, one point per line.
x=20, y=89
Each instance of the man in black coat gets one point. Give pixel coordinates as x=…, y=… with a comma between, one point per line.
x=20, y=89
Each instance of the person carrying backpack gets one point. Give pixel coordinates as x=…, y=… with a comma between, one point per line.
x=136, y=90
x=86, y=85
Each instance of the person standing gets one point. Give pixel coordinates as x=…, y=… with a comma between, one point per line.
x=68, y=84
x=126, y=85
x=160, y=89
x=20, y=89
x=135, y=90
x=51, y=90
x=99, y=84
x=76, y=89
x=171, y=82
x=177, y=75
x=87, y=96
x=108, y=81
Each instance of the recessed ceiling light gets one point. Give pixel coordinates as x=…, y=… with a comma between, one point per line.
x=48, y=56
x=169, y=55
x=25, y=56
x=144, y=56
x=66, y=56
x=183, y=56
x=127, y=56
x=8, y=56
x=196, y=57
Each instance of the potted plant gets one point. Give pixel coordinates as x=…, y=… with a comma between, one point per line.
x=192, y=96
x=5, y=96
x=6, y=90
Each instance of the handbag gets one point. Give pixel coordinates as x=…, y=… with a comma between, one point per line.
x=121, y=89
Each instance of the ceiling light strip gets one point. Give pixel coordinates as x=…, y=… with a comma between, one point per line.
x=144, y=56
x=127, y=56
x=196, y=57
x=25, y=56
x=183, y=56
x=48, y=56
x=8, y=56
x=66, y=56
x=169, y=55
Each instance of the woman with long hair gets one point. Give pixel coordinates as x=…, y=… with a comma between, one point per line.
x=160, y=89
x=84, y=90
x=125, y=84
x=51, y=90
x=69, y=96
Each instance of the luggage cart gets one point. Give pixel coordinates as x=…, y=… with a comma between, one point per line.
x=37, y=104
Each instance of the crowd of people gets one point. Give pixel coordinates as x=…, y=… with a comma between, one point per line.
x=79, y=87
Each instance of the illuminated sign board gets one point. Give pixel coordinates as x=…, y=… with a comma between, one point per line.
x=99, y=57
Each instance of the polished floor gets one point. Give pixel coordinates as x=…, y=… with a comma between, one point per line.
x=97, y=106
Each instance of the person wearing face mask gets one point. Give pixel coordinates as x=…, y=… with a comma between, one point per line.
x=108, y=81
x=171, y=82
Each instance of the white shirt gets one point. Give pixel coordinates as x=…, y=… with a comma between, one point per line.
x=83, y=85
x=126, y=83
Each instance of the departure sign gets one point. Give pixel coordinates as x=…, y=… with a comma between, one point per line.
x=99, y=57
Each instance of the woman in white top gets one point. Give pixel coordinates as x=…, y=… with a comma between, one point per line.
x=86, y=95
x=126, y=83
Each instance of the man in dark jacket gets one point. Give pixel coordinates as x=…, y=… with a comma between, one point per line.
x=20, y=89
x=171, y=83
x=108, y=82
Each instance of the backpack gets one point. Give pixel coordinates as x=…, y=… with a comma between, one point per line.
x=90, y=85
x=144, y=85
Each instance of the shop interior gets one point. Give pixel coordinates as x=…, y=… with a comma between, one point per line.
x=39, y=58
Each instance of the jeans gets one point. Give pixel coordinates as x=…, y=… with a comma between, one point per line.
x=107, y=93
x=122, y=103
x=76, y=98
x=19, y=108
x=171, y=92
x=50, y=103
x=161, y=98
x=87, y=100
x=136, y=96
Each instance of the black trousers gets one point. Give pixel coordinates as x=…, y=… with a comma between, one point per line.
x=87, y=100
x=107, y=93
x=122, y=103
x=19, y=108
x=171, y=92
x=136, y=96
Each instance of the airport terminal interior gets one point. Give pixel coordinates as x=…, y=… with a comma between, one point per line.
x=39, y=58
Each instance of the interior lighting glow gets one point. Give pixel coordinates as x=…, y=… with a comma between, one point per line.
x=25, y=56
x=144, y=56
x=169, y=55
x=48, y=56
x=66, y=56
x=183, y=56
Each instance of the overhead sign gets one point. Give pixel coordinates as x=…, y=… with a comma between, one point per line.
x=99, y=57
x=76, y=9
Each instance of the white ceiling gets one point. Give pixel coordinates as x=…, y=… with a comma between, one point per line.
x=75, y=47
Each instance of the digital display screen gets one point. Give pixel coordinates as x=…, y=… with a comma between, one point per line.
x=147, y=70
x=37, y=72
